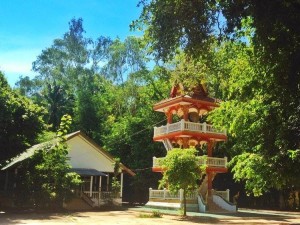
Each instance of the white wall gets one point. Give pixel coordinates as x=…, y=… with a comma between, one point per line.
x=85, y=155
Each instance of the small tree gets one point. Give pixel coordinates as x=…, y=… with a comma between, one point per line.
x=116, y=186
x=49, y=180
x=181, y=172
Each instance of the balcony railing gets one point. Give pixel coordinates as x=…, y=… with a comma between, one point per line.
x=186, y=126
x=203, y=160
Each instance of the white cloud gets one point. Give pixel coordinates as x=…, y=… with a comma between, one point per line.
x=18, y=61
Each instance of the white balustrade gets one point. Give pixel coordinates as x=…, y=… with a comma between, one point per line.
x=223, y=194
x=173, y=127
x=166, y=194
x=186, y=126
x=202, y=160
x=160, y=130
x=216, y=162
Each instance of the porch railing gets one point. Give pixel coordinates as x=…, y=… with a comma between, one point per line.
x=101, y=195
x=187, y=126
x=202, y=160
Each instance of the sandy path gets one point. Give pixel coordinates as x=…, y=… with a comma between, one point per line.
x=129, y=218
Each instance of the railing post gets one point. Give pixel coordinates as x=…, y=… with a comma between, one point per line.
x=182, y=124
x=227, y=194
x=150, y=193
x=155, y=129
x=154, y=161
x=225, y=161
x=204, y=127
x=181, y=195
x=165, y=193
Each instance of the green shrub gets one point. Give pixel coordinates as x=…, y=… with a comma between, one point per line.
x=154, y=214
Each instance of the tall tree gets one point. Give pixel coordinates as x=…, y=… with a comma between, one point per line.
x=130, y=125
x=64, y=67
x=254, y=117
x=124, y=58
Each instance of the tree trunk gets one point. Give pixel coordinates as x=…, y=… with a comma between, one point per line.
x=184, y=202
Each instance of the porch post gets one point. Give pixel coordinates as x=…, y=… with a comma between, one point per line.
x=121, y=194
x=91, y=186
x=107, y=183
x=150, y=193
x=6, y=181
x=100, y=182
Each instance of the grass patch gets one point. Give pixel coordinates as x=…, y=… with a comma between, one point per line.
x=154, y=214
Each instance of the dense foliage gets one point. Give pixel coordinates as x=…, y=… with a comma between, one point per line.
x=247, y=52
x=20, y=121
x=109, y=91
x=45, y=180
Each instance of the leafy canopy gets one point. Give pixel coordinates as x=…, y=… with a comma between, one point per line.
x=20, y=121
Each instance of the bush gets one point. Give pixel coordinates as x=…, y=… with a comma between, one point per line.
x=154, y=214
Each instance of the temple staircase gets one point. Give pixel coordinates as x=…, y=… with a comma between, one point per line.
x=167, y=143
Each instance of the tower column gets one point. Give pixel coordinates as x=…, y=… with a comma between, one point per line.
x=209, y=174
x=209, y=183
x=209, y=148
x=185, y=110
x=185, y=142
x=169, y=116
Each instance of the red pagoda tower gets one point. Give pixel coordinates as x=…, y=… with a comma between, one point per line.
x=187, y=127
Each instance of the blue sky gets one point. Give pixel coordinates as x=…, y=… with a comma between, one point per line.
x=29, y=26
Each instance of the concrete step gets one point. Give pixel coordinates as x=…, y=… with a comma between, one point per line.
x=172, y=206
x=163, y=205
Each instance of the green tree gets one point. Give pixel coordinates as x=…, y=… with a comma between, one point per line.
x=170, y=25
x=116, y=186
x=181, y=171
x=254, y=116
x=130, y=125
x=46, y=175
x=124, y=58
x=20, y=121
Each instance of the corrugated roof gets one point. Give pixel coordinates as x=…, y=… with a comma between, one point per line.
x=88, y=172
x=28, y=153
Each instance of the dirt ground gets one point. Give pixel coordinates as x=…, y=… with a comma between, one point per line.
x=132, y=217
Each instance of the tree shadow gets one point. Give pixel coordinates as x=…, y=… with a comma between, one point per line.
x=198, y=219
